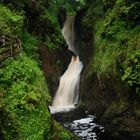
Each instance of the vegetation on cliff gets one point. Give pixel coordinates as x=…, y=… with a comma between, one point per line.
x=116, y=40
x=24, y=95
x=112, y=77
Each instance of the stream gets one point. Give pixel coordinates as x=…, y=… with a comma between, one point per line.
x=86, y=128
x=82, y=125
x=63, y=108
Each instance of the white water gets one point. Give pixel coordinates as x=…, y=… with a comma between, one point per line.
x=86, y=128
x=69, y=33
x=68, y=91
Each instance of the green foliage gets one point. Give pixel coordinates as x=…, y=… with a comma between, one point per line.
x=65, y=136
x=30, y=45
x=117, y=43
x=60, y=133
x=45, y=19
x=54, y=41
x=25, y=97
x=52, y=37
x=132, y=70
x=10, y=22
x=70, y=6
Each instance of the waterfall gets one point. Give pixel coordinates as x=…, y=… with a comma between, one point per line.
x=68, y=91
x=68, y=32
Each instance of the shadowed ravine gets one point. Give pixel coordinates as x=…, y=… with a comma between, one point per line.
x=67, y=96
x=70, y=70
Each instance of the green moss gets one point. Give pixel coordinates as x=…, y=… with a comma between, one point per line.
x=60, y=133
x=25, y=100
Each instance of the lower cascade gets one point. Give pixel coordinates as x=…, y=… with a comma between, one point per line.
x=68, y=91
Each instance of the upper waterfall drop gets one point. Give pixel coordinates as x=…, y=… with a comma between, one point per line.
x=68, y=91
x=69, y=35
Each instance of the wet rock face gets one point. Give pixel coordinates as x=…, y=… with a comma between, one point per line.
x=112, y=105
x=54, y=63
x=95, y=92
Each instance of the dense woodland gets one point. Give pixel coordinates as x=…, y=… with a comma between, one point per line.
x=110, y=83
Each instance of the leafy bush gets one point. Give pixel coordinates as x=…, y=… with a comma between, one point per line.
x=53, y=37
x=60, y=133
x=10, y=22
x=70, y=6
x=30, y=45
x=65, y=136
x=132, y=70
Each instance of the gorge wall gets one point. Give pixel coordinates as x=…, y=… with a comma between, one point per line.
x=110, y=82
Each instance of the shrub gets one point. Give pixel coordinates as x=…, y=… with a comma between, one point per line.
x=10, y=22
x=132, y=71
x=30, y=45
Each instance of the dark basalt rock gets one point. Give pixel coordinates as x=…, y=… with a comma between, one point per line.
x=70, y=115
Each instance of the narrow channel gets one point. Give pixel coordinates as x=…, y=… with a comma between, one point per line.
x=64, y=106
